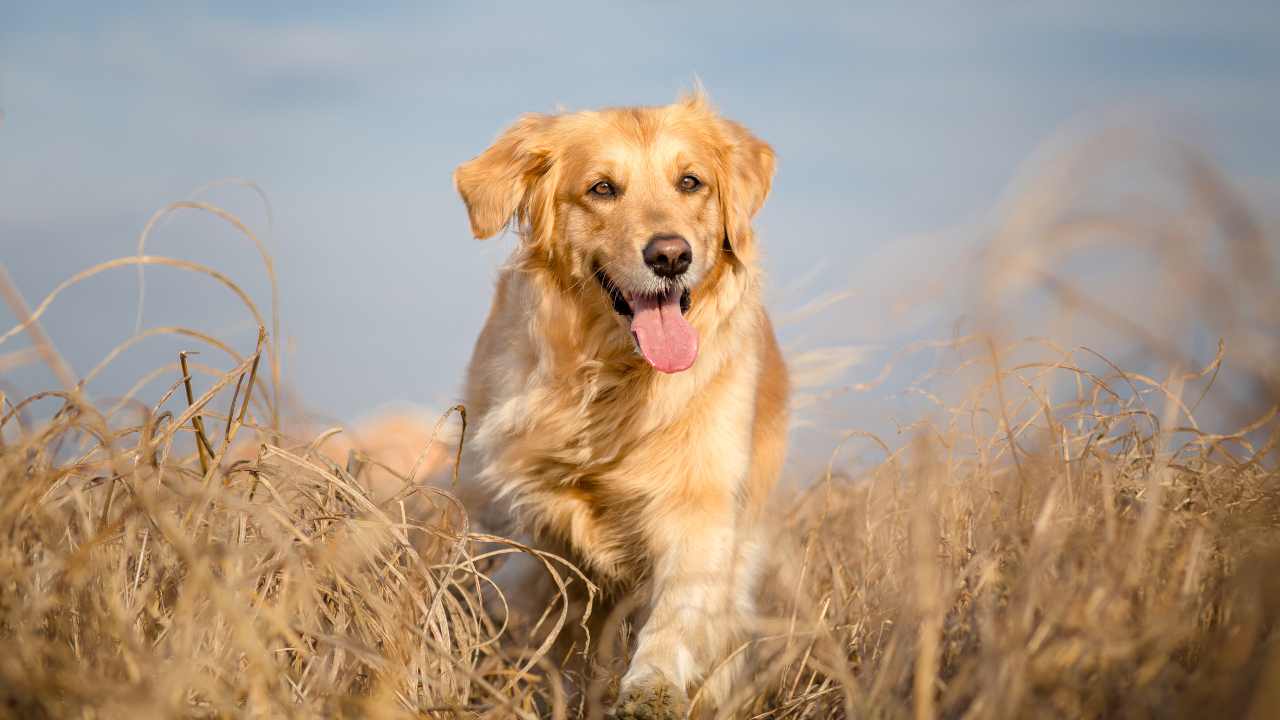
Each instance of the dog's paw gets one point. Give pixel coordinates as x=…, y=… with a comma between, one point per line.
x=655, y=701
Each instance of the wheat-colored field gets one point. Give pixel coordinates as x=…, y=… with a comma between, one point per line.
x=1065, y=534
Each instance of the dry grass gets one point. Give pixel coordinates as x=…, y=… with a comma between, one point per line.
x=1060, y=538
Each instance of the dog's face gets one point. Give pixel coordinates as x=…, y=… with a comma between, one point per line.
x=641, y=203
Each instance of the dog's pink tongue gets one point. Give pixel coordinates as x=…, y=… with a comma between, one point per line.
x=666, y=339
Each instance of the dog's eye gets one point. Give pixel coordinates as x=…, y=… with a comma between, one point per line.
x=603, y=188
x=689, y=183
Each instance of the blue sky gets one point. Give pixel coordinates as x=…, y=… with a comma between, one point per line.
x=895, y=128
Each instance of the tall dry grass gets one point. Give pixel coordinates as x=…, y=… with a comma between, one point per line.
x=1059, y=537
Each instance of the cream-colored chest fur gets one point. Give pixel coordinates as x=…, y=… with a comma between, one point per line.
x=580, y=443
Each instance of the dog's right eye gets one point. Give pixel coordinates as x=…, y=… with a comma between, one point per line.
x=603, y=188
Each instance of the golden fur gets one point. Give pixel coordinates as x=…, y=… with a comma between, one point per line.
x=395, y=442
x=655, y=483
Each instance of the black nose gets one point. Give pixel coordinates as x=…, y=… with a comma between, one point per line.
x=668, y=256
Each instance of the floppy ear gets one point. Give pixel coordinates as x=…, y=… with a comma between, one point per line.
x=744, y=185
x=497, y=184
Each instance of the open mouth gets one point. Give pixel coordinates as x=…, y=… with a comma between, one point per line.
x=664, y=337
x=620, y=304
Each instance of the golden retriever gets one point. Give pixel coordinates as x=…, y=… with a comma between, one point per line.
x=627, y=390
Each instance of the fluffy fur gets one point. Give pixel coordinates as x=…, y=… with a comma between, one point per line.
x=654, y=483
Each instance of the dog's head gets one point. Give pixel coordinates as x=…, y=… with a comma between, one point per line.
x=646, y=204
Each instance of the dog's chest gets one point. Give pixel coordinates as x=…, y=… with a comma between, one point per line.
x=609, y=440
x=583, y=469
x=571, y=434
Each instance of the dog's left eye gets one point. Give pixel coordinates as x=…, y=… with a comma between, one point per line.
x=689, y=183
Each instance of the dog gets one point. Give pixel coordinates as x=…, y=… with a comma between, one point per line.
x=627, y=392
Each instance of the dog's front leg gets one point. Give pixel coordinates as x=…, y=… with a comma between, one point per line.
x=700, y=600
